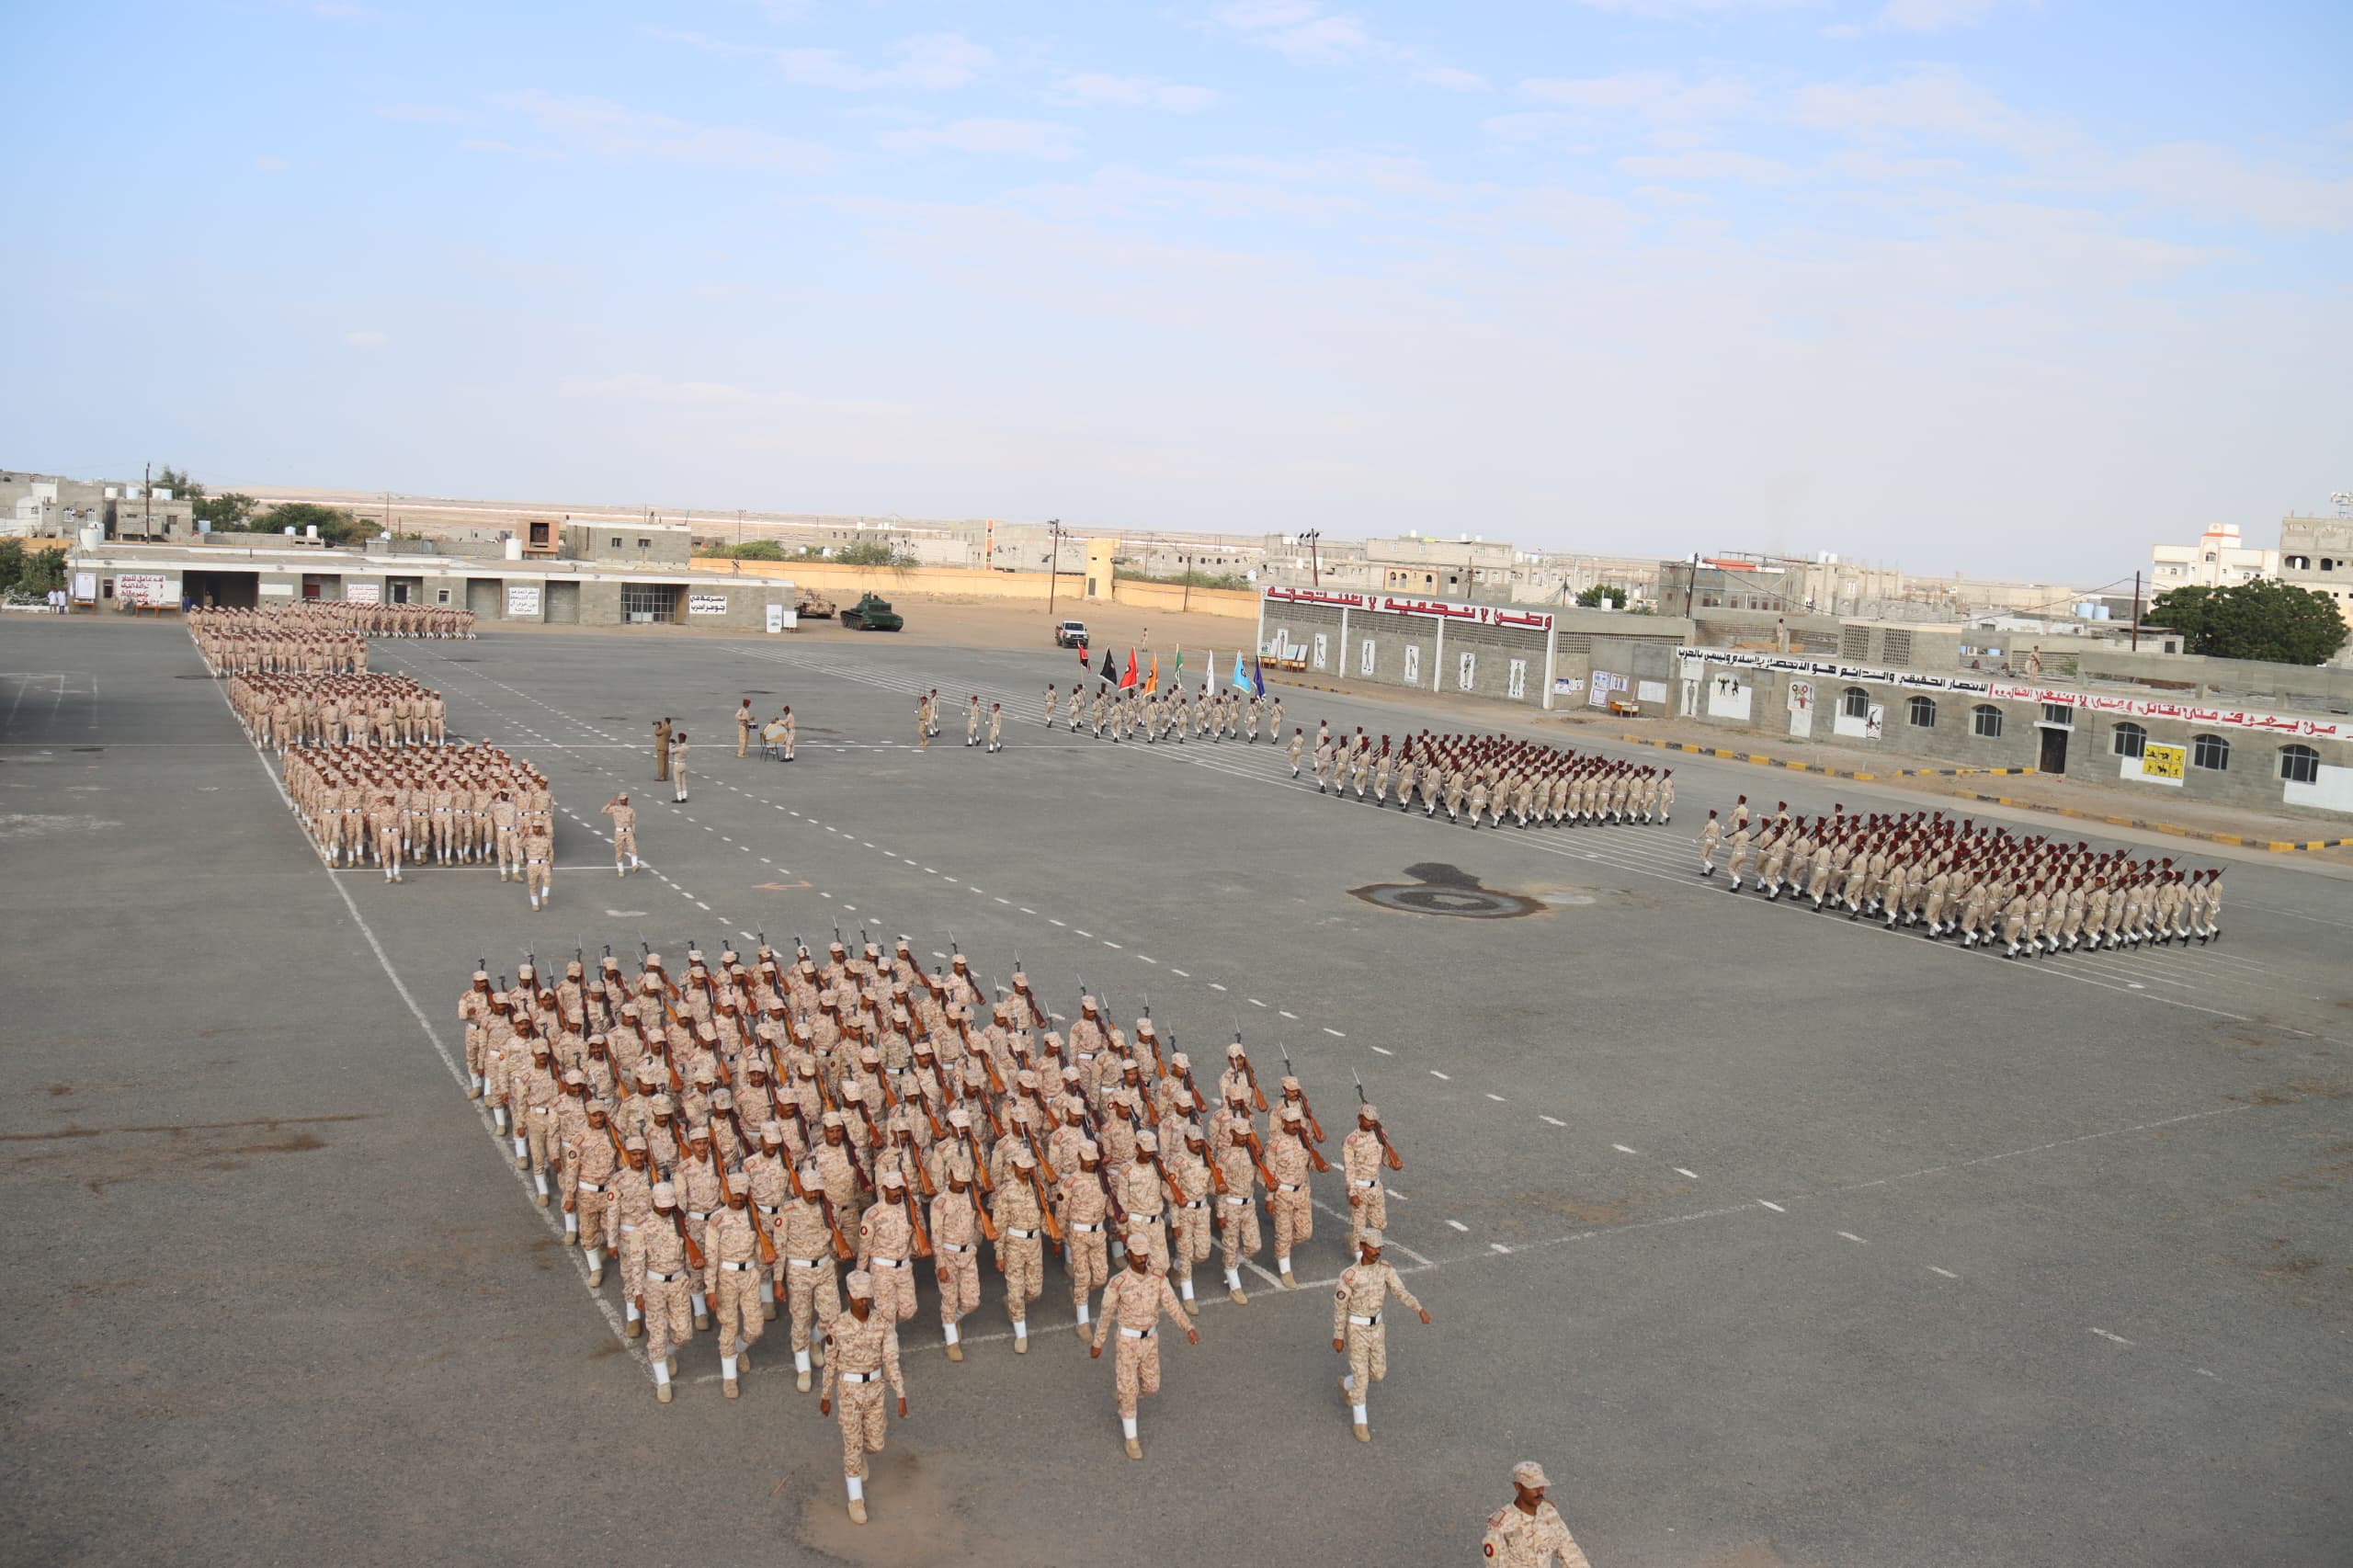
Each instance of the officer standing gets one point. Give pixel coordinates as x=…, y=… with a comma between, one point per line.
x=661, y=749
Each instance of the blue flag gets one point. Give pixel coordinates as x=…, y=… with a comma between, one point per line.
x=1257, y=677
x=1241, y=675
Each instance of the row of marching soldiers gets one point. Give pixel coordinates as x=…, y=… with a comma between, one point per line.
x=1143, y=711
x=2036, y=895
x=861, y=1110
x=280, y=711
x=1495, y=776
x=324, y=618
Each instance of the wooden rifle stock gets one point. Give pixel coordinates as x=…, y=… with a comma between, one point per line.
x=1045, y=1166
x=980, y=1214
x=914, y=1220
x=1046, y=1214
x=1388, y=1149
x=980, y=1167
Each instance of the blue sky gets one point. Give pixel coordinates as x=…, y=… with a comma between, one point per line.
x=1982, y=284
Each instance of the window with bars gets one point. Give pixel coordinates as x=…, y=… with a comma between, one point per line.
x=643, y=602
x=2299, y=765
x=2212, y=752
x=1985, y=722
x=2127, y=740
x=1923, y=712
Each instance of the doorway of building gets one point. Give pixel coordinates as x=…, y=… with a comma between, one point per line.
x=2054, y=750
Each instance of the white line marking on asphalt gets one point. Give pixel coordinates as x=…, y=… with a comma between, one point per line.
x=1499, y=1099
x=1436, y=1074
x=1624, y=1150
x=1498, y=1246
x=2199, y=1370
x=1215, y=986
x=1681, y=1172
x=1074, y=930
x=1384, y=1050
x=1774, y=1207
x=1854, y=1238
x=1113, y=946
x=1050, y=919
x=1292, y=1016
x=1946, y=1272
x=1004, y=900
x=1254, y=1001
x=1459, y=1226
x=1553, y=1119
x=2113, y=1338
x=1179, y=972
x=1148, y=957
x=1337, y=1035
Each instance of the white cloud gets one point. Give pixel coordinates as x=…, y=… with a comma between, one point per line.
x=429, y=114
x=1303, y=31
x=2199, y=178
x=1452, y=78
x=1935, y=16
x=1088, y=88
x=1657, y=95
x=607, y=130
x=1010, y=137
x=1934, y=103
x=1710, y=164
x=366, y=339
x=929, y=61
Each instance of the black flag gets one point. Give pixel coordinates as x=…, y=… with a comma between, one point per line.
x=1110, y=671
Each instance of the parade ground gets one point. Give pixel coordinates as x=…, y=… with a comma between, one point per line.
x=1776, y=1238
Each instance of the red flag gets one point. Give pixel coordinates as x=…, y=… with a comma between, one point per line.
x=1152, y=681
x=1081, y=660
x=1128, y=678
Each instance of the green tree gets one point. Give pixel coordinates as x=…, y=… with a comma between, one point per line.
x=229, y=511
x=335, y=525
x=1592, y=597
x=177, y=480
x=33, y=571
x=873, y=552
x=2270, y=621
x=755, y=550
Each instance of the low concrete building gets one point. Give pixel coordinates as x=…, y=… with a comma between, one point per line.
x=1543, y=658
x=2142, y=741
x=538, y=590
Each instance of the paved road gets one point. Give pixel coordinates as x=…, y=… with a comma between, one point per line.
x=1778, y=1239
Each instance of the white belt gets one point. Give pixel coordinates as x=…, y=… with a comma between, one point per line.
x=763, y=1208
x=590, y=1186
x=1023, y=1236
x=886, y=1262
x=739, y=1268
x=1127, y=1333
x=542, y=1110
x=805, y=1262
x=1238, y=1202
x=1365, y=1322
x=629, y=1230
x=1089, y=1229
x=860, y=1377
x=1198, y=1203
x=1288, y=1186
x=664, y=1279
x=955, y=1246
x=697, y=1215
x=1372, y=1183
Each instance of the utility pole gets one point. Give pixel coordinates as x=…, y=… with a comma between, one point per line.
x=2136, y=612
x=388, y=512
x=739, y=528
x=1187, y=561
x=148, y=528
x=1690, y=583
x=1315, y=567
x=1053, y=564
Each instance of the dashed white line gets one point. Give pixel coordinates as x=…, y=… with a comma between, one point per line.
x=1050, y=919
x=1179, y=972
x=1436, y=1074
x=1459, y=1226
x=1337, y=1035
x=1773, y=1206
x=1691, y=1175
x=1215, y=986
x=1004, y=900
x=1946, y=1272
x=1624, y=1150
x=1292, y=1016
x=1384, y=1050
x=1254, y=1001
x=1148, y=957
x=1499, y=1099
x=1113, y=946
x=2113, y=1338
x=1498, y=1246
x=1553, y=1119
x=1854, y=1238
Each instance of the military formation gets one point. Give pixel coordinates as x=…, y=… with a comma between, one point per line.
x=734, y=1135
x=2032, y=895
x=436, y=805
x=1492, y=778
x=1139, y=711
x=325, y=621
x=365, y=711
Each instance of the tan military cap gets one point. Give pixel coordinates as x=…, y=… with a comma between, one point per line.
x=1147, y=1143
x=1235, y=1049
x=665, y=1195
x=633, y=1142
x=1291, y=1113
x=771, y=1132
x=1090, y=1149
x=1022, y=1156
x=833, y=1119
x=960, y=1118
x=860, y=1284
x=1290, y=1083
x=1368, y=1111
x=661, y=1105
x=576, y=1076
x=854, y=1090
x=1530, y=1474
x=1369, y=1237
x=892, y=1178
x=1180, y=1063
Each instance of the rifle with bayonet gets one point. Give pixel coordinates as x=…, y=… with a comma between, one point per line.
x=1314, y=1127
x=1388, y=1151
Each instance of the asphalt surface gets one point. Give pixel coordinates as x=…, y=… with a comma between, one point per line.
x=1778, y=1239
